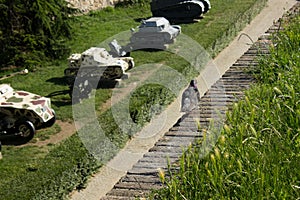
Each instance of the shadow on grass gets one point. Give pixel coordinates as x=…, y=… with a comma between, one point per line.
x=13, y=140
x=62, y=103
x=58, y=80
x=107, y=84
x=58, y=93
x=102, y=84
x=174, y=21
x=179, y=21
x=140, y=19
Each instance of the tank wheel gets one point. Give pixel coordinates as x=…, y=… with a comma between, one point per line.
x=118, y=72
x=206, y=5
x=25, y=129
x=130, y=64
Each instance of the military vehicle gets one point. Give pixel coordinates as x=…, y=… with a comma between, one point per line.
x=155, y=32
x=23, y=112
x=93, y=65
x=180, y=10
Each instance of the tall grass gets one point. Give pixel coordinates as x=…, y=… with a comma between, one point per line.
x=258, y=153
x=51, y=172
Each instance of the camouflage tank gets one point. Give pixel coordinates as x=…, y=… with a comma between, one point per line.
x=180, y=10
x=90, y=67
x=156, y=32
x=23, y=112
x=97, y=63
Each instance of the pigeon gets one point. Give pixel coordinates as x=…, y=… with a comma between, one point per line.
x=190, y=97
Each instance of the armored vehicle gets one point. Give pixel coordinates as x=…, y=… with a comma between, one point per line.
x=97, y=63
x=23, y=112
x=155, y=32
x=91, y=66
x=178, y=10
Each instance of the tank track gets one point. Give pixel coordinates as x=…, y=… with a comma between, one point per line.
x=93, y=73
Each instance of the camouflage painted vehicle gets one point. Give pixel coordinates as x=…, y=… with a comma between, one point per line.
x=93, y=65
x=155, y=32
x=180, y=10
x=23, y=112
x=97, y=63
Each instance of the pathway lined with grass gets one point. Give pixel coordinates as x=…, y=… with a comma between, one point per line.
x=100, y=184
x=257, y=155
x=150, y=171
x=54, y=170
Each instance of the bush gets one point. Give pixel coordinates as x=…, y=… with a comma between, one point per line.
x=34, y=28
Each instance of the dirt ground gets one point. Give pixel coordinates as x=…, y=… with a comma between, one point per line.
x=67, y=129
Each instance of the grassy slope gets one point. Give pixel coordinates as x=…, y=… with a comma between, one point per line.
x=91, y=30
x=28, y=171
x=258, y=154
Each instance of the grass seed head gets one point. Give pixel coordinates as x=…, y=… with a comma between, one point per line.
x=277, y=90
x=217, y=153
x=161, y=175
x=206, y=165
x=212, y=157
x=227, y=129
x=222, y=140
x=240, y=166
x=226, y=155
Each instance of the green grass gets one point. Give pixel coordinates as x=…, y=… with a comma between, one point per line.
x=47, y=172
x=44, y=134
x=213, y=32
x=54, y=170
x=258, y=153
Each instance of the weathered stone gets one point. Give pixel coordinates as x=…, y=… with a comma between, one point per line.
x=89, y=5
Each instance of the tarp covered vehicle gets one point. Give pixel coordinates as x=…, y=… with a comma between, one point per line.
x=180, y=10
x=21, y=112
